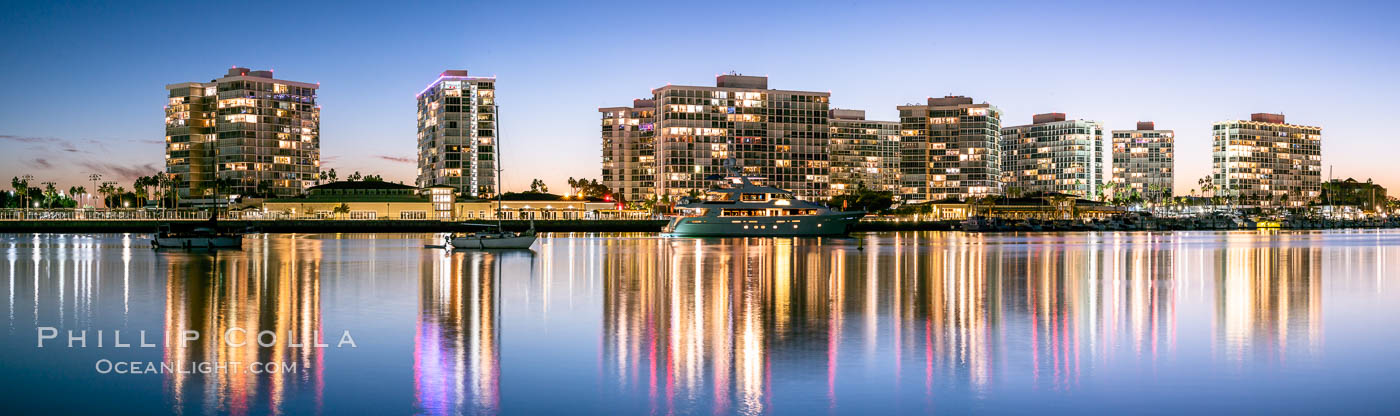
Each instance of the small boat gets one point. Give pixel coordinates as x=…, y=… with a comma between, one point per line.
x=495, y=239
x=498, y=238
x=206, y=235
x=199, y=237
x=978, y=223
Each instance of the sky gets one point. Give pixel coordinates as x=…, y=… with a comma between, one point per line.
x=84, y=82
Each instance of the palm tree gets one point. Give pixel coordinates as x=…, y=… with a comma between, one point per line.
x=120, y=196
x=331, y=175
x=21, y=189
x=176, y=182
x=222, y=186
x=106, y=191
x=49, y=195
x=343, y=208
x=79, y=190
x=264, y=188
x=1207, y=186
x=139, y=186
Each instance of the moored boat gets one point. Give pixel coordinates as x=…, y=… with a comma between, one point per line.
x=743, y=209
x=496, y=239
x=199, y=237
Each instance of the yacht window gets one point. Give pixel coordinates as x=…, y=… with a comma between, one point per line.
x=743, y=213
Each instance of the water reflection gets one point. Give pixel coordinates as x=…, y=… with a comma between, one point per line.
x=236, y=296
x=712, y=324
x=1268, y=301
x=880, y=324
x=456, y=360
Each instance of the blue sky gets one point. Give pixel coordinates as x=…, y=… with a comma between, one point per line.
x=85, y=82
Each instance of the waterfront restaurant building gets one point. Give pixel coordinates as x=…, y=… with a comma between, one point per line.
x=863, y=152
x=1143, y=160
x=260, y=132
x=457, y=132
x=1266, y=161
x=778, y=135
x=1053, y=154
x=372, y=200
x=950, y=149
x=629, y=155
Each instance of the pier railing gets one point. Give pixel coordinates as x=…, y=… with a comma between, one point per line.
x=236, y=215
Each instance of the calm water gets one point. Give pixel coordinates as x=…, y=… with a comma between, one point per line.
x=880, y=323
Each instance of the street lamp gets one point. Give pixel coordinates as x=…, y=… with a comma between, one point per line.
x=111, y=184
x=24, y=194
x=94, y=178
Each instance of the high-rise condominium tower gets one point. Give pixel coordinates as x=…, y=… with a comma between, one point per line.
x=1142, y=160
x=950, y=149
x=629, y=161
x=863, y=152
x=1053, y=155
x=259, y=133
x=778, y=135
x=1266, y=161
x=457, y=131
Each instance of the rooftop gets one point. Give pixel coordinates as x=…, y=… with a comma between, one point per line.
x=1267, y=118
x=361, y=185
x=1047, y=118
x=949, y=100
x=238, y=72
x=844, y=114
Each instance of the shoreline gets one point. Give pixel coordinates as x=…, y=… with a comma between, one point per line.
x=428, y=226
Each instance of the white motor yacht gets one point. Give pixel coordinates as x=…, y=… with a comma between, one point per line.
x=743, y=209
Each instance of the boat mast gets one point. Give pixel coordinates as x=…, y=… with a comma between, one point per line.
x=497, y=161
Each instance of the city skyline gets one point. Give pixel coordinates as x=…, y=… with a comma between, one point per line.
x=549, y=119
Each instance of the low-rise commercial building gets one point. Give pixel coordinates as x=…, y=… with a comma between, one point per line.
x=362, y=200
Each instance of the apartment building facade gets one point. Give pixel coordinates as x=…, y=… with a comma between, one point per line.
x=863, y=153
x=950, y=148
x=778, y=135
x=259, y=134
x=629, y=153
x=457, y=133
x=1267, y=162
x=1053, y=154
x=1143, y=160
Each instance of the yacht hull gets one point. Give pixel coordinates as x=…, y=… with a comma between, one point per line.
x=233, y=241
x=473, y=242
x=793, y=226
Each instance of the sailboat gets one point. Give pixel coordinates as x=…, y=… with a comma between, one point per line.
x=498, y=238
